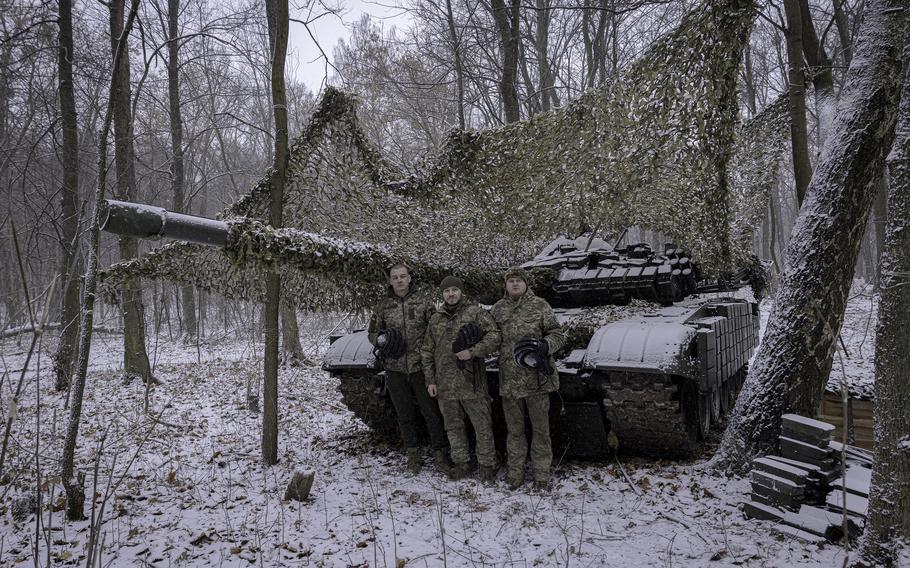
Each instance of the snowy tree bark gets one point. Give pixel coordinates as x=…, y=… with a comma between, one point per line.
x=277, y=13
x=889, y=500
x=69, y=269
x=794, y=358
x=291, y=350
x=135, y=357
x=73, y=483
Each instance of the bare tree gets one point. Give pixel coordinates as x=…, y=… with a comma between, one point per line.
x=277, y=13
x=135, y=357
x=69, y=318
x=73, y=483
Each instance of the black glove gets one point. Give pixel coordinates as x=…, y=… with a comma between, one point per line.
x=532, y=354
x=390, y=344
x=468, y=336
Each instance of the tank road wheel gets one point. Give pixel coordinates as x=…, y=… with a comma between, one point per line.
x=716, y=406
x=365, y=395
x=696, y=408
x=727, y=398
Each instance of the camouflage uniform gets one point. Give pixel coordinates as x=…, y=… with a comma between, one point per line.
x=527, y=391
x=404, y=376
x=460, y=391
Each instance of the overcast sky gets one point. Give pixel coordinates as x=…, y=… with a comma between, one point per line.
x=304, y=59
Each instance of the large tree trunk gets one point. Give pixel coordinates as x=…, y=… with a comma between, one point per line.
x=796, y=79
x=69, y=269
x=794, y=358
x=178, y=177
x=889, y=500
x=507, y=22
x=277, y=12
x=73, y=483
x=135, y=358
x=880, y=218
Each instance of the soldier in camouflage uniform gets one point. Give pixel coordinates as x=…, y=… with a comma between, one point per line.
x=523, y=315
x=407, y=313
x=461, y=391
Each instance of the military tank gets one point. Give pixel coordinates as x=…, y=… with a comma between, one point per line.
x=651, y=362
x=649, y=358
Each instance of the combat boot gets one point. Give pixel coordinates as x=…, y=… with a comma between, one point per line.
x=487, y=473
x=515, y=479
x=460, y=471
x=541, y=483
x=443, y=463
x=415, y=462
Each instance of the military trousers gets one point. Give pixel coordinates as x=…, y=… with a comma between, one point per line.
x=478, y=411
x=409, y=393
x=537, y=408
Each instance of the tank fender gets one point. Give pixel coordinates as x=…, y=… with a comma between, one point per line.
x=637, y=346
x=353, y=351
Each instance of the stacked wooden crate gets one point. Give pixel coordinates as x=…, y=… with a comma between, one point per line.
x=804, y=489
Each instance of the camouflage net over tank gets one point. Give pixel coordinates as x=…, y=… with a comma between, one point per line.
x=652, y=149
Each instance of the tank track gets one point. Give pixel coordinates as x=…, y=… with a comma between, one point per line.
x=645, y=412
x=364, y=394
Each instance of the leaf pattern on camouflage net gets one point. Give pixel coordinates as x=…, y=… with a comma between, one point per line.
x=652, y=149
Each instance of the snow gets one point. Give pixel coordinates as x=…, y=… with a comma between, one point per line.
x=196, y=493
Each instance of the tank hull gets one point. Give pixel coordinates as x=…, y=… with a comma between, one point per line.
x=653, y=385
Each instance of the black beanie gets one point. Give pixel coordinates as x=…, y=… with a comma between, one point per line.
x=451, y=282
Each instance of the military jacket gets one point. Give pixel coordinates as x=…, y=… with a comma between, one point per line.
x=527, y=316
x=410, y=316
x=439, y=362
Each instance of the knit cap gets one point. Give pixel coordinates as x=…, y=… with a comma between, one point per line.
x=451, y=282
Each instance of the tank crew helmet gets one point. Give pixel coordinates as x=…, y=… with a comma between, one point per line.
x=532, y=354
x=468, y=336
x=390, y=344
x=451, y=282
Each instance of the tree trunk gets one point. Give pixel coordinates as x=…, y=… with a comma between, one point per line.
x=135, y=358
x=506, y=19
x=796, y=79
x=73, y=482
x=277, y=13
x=880, y=218
x=69, y=268
x=889, y=499
x=459, y=65
x=820, y=66
x=843, y=31
x=794, y=358
x=291, y=351
x=188, y=306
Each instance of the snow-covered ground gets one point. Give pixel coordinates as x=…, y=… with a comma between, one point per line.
x=183, y=485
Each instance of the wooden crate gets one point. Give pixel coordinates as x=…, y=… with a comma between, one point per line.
x=831, y=411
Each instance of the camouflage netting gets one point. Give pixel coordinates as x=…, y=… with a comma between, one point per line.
x=651, y=150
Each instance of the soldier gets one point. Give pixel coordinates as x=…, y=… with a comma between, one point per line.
x=531, y=334
x=458, y=378
x=397, y=329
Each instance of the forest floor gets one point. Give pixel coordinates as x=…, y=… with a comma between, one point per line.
x=182, y=483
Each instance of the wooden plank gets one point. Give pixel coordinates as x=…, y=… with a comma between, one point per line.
x=779, y=484
x=854, y=503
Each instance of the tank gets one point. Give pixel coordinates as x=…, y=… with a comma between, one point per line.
x=651, y=364
x=649, y=359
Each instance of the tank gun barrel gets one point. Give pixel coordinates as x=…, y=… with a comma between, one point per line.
x=150, y=222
